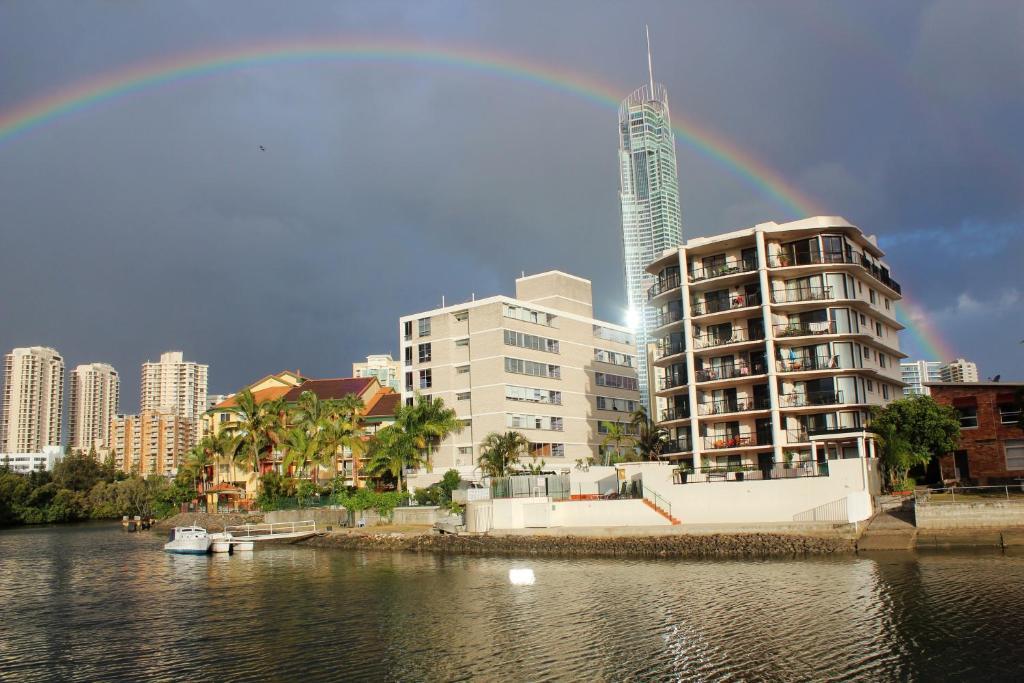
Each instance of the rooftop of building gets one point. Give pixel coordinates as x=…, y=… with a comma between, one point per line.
x=326, y=389
x=385, y=406
x=1015, y=384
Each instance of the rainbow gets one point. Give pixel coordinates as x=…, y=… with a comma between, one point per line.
x=922, y=332
x=81, y=95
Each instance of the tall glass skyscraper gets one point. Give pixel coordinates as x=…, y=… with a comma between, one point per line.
x=649, y=194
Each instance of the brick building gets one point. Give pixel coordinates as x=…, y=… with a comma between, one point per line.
x=991, y=447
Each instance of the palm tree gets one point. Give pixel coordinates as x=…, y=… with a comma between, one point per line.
x=615, y=433
x=299, y=449
x=346, y=430
x=428, y=422
x=501, y=452
x=391, y=450
x=258, y=429
x=198, y=460
x=650, y=439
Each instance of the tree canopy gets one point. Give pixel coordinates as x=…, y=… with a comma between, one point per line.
x=912, y=431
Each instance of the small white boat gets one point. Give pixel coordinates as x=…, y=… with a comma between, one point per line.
x=188, y=540
x=220, y=543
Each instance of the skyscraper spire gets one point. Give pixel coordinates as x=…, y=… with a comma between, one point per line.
x=650, y=64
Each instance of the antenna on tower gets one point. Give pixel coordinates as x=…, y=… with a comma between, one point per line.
x=650, y=64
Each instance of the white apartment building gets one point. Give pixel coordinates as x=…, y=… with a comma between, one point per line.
x=33, y=400
x=772, y=342
x=538, y=363
x=176, y=386
x=387, y=370
x=916, y=373
x=960, y=371
x=94, y=390
x=24, y=463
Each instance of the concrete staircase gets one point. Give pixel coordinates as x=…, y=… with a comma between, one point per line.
x=661, y=512
x=890, y=530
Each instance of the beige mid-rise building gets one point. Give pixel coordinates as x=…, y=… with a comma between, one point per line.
x=94, y=394
x=961, y=370
x=174, y=385
x=152, y=442
x=33, y=400
x=386, y=369
x=772, y=343
x=538, y=363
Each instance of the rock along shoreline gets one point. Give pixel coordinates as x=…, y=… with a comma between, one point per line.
x=732, y=545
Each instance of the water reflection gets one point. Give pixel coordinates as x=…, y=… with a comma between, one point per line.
x=93, y=602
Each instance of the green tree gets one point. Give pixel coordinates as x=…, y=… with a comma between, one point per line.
x=77, y=472
x=500, y=453
x=258, y=429
x=299, y=449
x=391, y=450
x=428, y=421
x=912, y=431
x=650, y=439
x=616, y=433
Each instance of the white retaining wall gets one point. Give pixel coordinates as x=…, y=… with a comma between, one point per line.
x=525, y=513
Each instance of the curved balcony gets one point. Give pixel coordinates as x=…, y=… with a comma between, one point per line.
x=731, y=371
x=666, y=318
x=795, y=295
x=787, y=330
x=663, y=351
x=663, y=286
x=681, y=444
x=737, y=336
x=808, y=364
x=672, y=414
x=737, y=440
x=727, y=406
x=718, y=305
x=854, y=258
x=810, y=399
x=671, y=382
x=729, y=267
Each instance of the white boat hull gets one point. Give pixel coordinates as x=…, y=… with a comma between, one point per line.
x=188, y=541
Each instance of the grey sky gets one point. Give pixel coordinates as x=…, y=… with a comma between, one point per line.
x=153, y=222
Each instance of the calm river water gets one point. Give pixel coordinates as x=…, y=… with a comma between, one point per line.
x=93, y=602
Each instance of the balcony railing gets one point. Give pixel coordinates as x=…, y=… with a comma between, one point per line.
x=665, y=350
x=729, y=267
x=670, y=382
x=663, y=285
x=740, y=405
x=808, y=363
x=811, y=398
x=737, y=336
x=804, y=329
x=680, y=444
x=784, y=260
x=792, y=295
x=719, y=304
x=758, y=472
x=799, y=435
x=668, y=317
x=738, y=440
x=674, y=414
x=730, y=371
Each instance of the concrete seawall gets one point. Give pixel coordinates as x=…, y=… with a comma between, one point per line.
x=987, y=515
x=677, y=545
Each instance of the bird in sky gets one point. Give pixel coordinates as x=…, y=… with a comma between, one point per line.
x=262, y=148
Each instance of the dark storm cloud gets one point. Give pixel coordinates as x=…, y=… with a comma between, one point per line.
x=154, y=221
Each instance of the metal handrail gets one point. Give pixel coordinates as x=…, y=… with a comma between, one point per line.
x=662, y=286
x=730, y=371
x=784, y=330
x=923, y=496
x=271, y=528
x=709, y=306
x=812, y=363
x=811, y=398
x=791, y=295
x=729, y=267
x=665, y=506
x=737, y=336
x=668, y=317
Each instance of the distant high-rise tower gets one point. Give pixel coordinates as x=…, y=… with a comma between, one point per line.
x=94, y=393
x=649, y=195
x=33, y=400
x=177, y=387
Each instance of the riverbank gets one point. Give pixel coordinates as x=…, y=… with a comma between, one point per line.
x=210, y=522
x=738, y=545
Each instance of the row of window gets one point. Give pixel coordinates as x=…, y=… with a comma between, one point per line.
x=603, y=379
x=618, y=404
x=530, y=341
x=519, y=421
x=1009, y=414
x=602, y=332
x=529, y=367
x=614, y=358
x=531, y=395
x=529, y=315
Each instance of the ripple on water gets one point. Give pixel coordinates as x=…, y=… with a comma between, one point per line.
x=92, y=602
